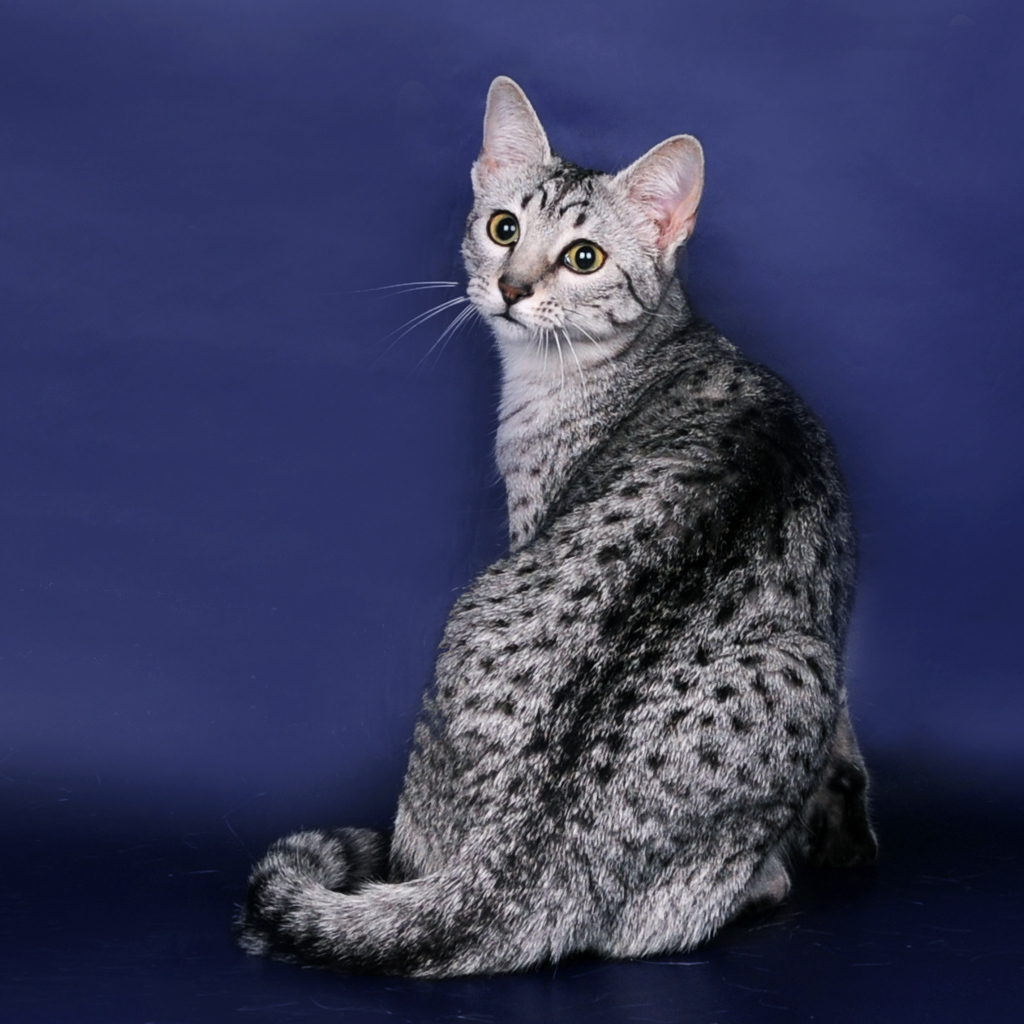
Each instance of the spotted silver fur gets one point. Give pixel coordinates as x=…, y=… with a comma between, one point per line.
x=639, y=713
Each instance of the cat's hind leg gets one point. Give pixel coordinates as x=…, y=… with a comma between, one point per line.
x=837, y=821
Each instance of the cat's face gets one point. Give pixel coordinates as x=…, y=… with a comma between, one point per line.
x=560, y=255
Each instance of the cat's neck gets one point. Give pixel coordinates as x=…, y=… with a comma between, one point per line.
x=557, y=404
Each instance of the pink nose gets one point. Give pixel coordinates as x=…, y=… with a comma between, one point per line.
x=512, y=293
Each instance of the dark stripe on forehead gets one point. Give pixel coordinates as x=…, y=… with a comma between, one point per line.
x=568, y=177
x=526, y=200
x=580, y=220
x=576, y=202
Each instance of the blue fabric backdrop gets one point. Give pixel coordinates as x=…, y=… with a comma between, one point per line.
x=235, y=507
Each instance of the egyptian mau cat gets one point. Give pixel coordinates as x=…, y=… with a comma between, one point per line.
x=639, y=714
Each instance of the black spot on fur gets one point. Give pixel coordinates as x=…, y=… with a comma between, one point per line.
x=695, y=477
x=815, y=666
x=676, y=717
x=710, y=756
x=681, y=684
x=537, y=745
x=643, y=532
x=626, y=700
x=792, y=677
x=614, y=741
x=614, y=620
x=724, y=692
x=649, y=657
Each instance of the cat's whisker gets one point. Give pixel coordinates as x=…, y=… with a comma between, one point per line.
x=448, y=333
x=547, y=345
x=400, y=332
x=579, y=365
x=561, y=362
x=407, y=286
x=541, y=341
x=579, y=327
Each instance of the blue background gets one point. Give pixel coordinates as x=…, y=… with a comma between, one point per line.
x=235, y=509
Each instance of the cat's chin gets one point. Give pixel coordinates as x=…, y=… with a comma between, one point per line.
x=536, y=352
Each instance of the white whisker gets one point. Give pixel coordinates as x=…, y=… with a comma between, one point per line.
x=449, y=332
x=541, y=342
x=579, y=365
x=423, y=317
x=408, y=286
x=400, y=332
x=561, y=362
x=579, y=327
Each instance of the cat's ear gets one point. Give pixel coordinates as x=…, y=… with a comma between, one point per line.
x=665, y=185
x=513, y=136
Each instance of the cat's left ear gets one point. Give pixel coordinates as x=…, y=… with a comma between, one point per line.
x=665, y=184
x=513, y=135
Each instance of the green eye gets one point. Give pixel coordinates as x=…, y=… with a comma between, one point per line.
x=503, y=228
x=583, y=257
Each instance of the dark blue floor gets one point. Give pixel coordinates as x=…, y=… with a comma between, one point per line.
x=120, y=909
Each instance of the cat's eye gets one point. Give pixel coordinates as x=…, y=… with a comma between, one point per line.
x=503, y=228
x=583, y=257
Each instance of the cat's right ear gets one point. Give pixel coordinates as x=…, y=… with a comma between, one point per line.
x=513, y=135
x=665, y=185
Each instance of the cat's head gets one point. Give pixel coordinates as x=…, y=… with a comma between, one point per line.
x=557, y=252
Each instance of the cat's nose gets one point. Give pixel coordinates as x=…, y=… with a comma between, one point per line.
x=512, y=293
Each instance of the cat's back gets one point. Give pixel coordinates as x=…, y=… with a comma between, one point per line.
x=708, y=418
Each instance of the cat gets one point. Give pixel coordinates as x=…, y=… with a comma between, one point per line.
x=638, y=715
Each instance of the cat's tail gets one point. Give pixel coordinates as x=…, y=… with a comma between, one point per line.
x=315, y=899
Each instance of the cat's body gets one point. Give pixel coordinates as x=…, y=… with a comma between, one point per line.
x=640, y=712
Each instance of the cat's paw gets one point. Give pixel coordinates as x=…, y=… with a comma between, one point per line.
x=839, y=832
x=767, y=889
